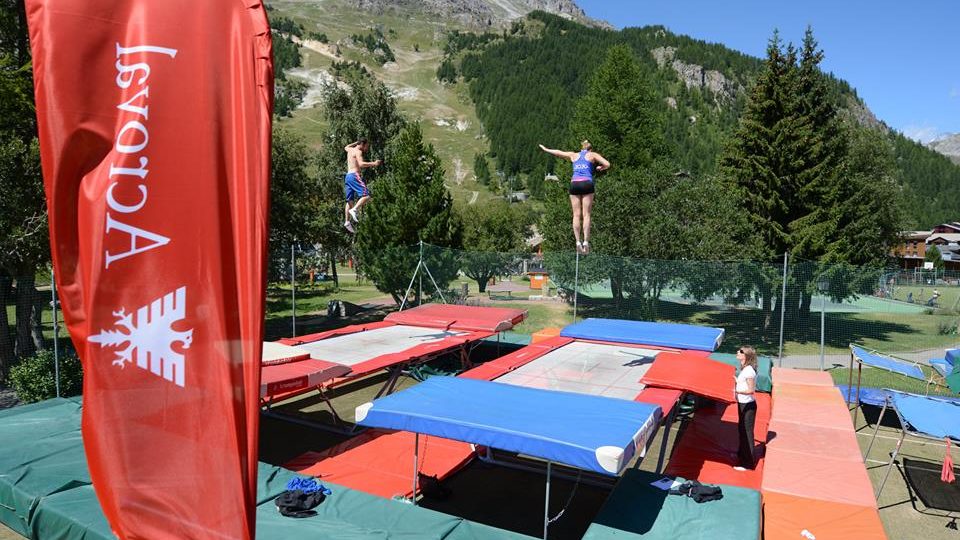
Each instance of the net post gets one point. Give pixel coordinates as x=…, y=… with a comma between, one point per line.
x=783, y=306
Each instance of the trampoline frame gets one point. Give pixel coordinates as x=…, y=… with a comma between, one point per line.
x=903, y=434
x=934, y=380
x=394, y=372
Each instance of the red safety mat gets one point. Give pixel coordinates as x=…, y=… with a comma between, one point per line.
x=787, y=517
x=692, y=463
x=279, y=353
x=292, y=378
x=818, y=477
x=380, y=462
x=728, y=413
x=454, y=317
x=800, y=376
x=346, y=330
x=822, y=412
x=821, y=394
x=692, y=373
x=507, y=363
x=666, y=398
x=813, y=440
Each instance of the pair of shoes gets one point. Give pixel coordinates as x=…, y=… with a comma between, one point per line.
x=349, y=226
x=353, y=215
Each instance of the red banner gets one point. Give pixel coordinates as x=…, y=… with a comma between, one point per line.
x=155, y=121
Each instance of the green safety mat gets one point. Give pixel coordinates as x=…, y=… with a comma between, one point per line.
x=45, y=492
x=764, y=367
x=635, y=509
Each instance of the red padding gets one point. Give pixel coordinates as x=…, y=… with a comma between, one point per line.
x=729, y=413
x=453, y=317
x=289, y=379
x=692, y=373
x=814, y=440
x=279, y=353
x=786, y=517
x=693, y=463
x=666, y=398
x=346, y=330
x=507, y=363
x=818, y=477
x=381, y=462
x=800, y=376
x=418, y=353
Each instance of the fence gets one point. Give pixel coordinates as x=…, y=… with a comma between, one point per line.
x=802, y=313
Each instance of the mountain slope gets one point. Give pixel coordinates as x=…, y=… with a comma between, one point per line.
x=948, y=146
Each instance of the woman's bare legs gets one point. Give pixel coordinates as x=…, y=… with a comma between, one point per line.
x=575, y=203
x=587, y=202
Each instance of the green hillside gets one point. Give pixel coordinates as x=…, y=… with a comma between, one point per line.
x=507, y=91
x=447, y=113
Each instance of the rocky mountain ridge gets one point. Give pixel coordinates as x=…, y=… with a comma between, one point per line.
x=948, y=146
x=483, y=13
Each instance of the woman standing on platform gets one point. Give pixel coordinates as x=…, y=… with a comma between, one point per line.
x=746, y=406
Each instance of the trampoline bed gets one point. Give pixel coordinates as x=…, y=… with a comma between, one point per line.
x=402, y=339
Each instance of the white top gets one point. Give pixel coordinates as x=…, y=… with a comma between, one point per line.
x=746, y=373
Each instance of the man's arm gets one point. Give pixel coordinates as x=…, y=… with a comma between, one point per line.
x=349, y=146
x=558, y=153
x=369, y=164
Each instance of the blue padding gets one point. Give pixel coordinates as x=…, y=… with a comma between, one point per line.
x=658, y=334
x=588, y=432
x=870, y=396
x=941, y=366
x=930, y=416
x=887, y=363
x=952, y=356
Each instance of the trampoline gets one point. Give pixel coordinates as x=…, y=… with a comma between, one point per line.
x=889, y=363
x=920, y=416
x=402, y=340
x=591, y=433
x=609, y=358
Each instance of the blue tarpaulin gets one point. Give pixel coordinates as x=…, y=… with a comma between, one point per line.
x=887, y=363
x=929, y=416
x=657, y=334
x=588, y=432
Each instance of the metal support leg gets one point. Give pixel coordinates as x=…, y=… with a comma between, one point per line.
x=546, y=504
x=893, y=458
x=416, y=467
x=876, y=428
x=850, y=381
x=666, y=437
x=859, y=378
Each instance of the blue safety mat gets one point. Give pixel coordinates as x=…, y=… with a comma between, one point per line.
x=929, y=416
x=942, y=366
x=588, y=432
x=870, y=396
x=887, y=363
x=657, y=334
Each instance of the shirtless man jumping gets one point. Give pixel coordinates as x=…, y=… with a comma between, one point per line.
x=353, y=185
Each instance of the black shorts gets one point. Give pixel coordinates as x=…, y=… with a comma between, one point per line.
x=581, y=188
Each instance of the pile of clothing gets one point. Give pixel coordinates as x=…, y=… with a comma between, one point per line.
x=301, y=497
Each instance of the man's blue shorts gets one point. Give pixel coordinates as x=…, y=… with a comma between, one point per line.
x=353, y=186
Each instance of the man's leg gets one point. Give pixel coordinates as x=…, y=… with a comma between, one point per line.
x=363, y=200
x=575, y=204
x=346, y=212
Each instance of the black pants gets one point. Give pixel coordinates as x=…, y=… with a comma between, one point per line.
x=748, y=415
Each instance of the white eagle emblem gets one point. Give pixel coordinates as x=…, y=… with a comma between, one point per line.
x=149, y=339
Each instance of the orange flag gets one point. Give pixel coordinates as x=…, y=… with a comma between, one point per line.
x=154, y=121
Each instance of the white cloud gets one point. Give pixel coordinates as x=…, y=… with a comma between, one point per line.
x=922, y=133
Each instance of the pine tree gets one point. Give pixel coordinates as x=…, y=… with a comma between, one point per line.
x=481, y=170
x=410, y=204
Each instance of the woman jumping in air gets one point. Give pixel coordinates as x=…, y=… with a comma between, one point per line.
x=586, y=162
